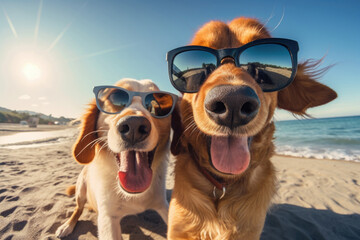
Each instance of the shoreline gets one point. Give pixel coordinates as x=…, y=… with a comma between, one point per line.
x=319, y=159
x=7, y=129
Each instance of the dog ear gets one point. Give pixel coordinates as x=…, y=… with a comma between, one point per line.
x=305, y=92
x=176, y=125
x=84, y=149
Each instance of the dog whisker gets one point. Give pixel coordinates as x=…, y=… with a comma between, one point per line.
x=103, y=146
x=91, y=143
x=96, y=131
x=190, y=126
x=99, y=140
x=282, y=17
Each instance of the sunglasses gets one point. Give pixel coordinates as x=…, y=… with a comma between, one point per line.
x=112, y=100
x=272, y=62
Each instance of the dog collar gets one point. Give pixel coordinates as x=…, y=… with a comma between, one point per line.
x=219, y=183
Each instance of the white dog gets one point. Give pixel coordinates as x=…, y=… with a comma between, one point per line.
x=125, y=148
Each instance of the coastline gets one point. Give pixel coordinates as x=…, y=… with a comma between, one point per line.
x=316, y=198
x=13, y=128
x=276, y=155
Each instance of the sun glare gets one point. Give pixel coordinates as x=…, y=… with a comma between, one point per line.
x=31, y=72
x=29, y=63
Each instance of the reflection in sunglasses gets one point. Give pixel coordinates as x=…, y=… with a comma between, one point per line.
x=268, y=75
x=192, y=79
x=113, y=100
x=162, y=104
x=272, y=62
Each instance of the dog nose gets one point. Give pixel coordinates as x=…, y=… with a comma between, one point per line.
x=134, y=129
x=232, y=106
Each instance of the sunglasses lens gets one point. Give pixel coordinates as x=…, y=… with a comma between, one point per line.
x=269, y=64
x=159, y=104
x=191, y=68
x=112, y=100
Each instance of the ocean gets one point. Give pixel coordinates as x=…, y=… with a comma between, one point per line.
x=326, y=138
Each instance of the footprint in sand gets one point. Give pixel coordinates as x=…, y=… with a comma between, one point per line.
x=18, y=226
x=60, y=195
x=28, y=189
x=18, y=173
x=9, y=163
x=355, y=182
x=10, y=237
x=12, y=198
x=47, y=207
x=57, y=183
x=6, y=228
x=31, y=209
x=8, y=212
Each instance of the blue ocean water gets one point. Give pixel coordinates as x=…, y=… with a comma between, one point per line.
x=325, y=138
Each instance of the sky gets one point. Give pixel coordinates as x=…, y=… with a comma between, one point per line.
x=53, y=52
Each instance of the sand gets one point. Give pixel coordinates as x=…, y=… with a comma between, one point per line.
x=317, y=199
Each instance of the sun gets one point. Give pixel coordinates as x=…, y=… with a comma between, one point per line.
x=31, y=71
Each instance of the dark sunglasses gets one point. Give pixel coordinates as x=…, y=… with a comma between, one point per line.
x=160, y=104
x=272, y=62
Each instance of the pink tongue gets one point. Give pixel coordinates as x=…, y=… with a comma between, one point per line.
x=134, y=174
x=230, y=154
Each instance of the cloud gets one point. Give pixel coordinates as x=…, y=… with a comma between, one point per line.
x=45, y=103
x=34, y=105
x=24, y=97
x=42, y=98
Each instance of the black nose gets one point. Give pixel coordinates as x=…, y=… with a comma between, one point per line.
x=134, y=129
x=232, y=106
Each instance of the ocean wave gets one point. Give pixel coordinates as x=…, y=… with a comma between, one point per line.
x=319, y=153
x=37, y=139
x=332, y=141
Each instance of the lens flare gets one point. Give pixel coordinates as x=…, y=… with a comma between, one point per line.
x=31, y=72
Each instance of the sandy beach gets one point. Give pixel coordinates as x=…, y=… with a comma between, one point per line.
x=317, y=199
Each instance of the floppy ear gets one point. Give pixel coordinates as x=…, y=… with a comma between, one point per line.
x=177, y=127
x=84, y=149
x=305, y=92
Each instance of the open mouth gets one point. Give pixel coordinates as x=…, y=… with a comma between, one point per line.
x=135, y=173
x=230, y=154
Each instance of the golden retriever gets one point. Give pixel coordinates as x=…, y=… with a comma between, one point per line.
x=224, y=179
x=125, y=157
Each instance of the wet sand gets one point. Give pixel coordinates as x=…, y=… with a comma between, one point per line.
x=13, y=128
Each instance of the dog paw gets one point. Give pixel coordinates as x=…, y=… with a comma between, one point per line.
x=64, y=230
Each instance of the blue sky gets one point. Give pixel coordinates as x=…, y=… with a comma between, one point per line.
x=69, y=46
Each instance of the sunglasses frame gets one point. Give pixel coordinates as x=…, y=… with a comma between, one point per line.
x=291, y=45
x=131, y=94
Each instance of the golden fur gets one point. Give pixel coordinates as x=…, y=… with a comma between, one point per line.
x=194, y=213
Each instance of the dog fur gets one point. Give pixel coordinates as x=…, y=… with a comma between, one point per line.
x=98, y=182
x=194, y=212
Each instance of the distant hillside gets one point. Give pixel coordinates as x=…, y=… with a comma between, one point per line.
x=4, y=109
x=10, y=116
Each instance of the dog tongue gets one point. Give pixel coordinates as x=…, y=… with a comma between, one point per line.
x=230, y=154
x=134, y=173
